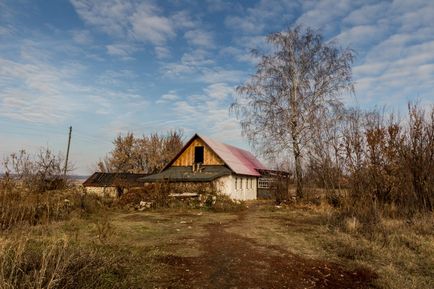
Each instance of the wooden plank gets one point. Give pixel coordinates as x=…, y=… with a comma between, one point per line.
x=187, y=157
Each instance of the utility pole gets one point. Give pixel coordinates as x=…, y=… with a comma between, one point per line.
x=67, y=152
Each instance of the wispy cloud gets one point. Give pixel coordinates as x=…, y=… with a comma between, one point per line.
x=190, y=62
x=208, y=113
x=162, y=52
x=168, y=97
x=200, y=38
x=135, y=22
x=152, y=65
x=82, y=37
x=121, y=49
x=148, y=25
x=34, y=92
x=264, y=16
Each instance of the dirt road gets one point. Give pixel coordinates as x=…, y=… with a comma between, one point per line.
x=232, y=261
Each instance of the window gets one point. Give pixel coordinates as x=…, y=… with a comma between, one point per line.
x=263, y=183
x=236, y=183
x=198, y=155
x=241, y=183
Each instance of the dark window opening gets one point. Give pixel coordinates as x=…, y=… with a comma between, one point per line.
x=198, y=155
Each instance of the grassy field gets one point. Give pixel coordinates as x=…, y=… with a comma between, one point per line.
x=263, y=246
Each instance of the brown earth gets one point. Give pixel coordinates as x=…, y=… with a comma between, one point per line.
x=232, y=261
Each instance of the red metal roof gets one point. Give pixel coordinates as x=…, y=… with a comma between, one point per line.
x=238, y=160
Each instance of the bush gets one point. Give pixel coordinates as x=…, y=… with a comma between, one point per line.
x=157, y=193
x=161, y=194
x=222, y=203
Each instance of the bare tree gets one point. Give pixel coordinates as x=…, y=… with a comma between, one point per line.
x=35, y=173
x=147, y=154
x=300, y=77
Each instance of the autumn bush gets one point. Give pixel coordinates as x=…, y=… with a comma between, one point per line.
x=161, y=193
x=373, y=165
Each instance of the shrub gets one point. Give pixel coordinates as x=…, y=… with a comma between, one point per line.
x=161, y=194
x=223, y=203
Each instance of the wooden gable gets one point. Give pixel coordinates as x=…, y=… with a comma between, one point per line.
x=186, y=158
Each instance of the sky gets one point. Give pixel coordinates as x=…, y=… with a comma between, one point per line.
x=107, y=67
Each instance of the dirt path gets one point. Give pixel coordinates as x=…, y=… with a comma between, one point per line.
x=231, y=261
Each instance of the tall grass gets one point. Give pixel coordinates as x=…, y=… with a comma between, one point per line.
x=57, y=263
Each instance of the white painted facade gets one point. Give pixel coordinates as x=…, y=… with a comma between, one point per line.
x=238, y=187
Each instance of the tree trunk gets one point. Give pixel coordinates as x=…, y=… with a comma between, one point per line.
x=298, y=170
x=295, y=141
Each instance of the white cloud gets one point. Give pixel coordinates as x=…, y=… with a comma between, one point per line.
x=182, y=19
x=219, y=91
x=218, y=74
x=209, y=117
x=111, y=78
x=324, y=14
x=240, y=54
x=5, y=31
x=358, y=36
x=162, y=52
x=82, y=37
x=245, y=24
x=123, y=50
x=108, y=16
x=199, y=38
x=190, y=62
x=168, y=97
x=147, y=25
x=367, y=14
x=34, y=92
x=264, y=15
x=130, y=20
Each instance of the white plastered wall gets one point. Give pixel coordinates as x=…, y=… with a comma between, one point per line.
x=246, y=191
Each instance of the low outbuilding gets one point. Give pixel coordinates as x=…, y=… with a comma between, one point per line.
x=113, y=184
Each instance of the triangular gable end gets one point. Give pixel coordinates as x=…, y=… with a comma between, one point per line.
x=238, y=160
x=185, y=156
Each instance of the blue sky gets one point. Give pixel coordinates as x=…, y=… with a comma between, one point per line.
x=110, y=66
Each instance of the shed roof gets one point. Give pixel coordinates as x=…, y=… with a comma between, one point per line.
x=186, y=174
x=238, y=160
x=99, y=179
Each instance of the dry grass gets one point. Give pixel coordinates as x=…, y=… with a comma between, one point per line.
x=94, y=246
x=401, y=253
x=107, y=249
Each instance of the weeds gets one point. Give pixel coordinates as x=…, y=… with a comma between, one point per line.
x=223, y=203
x=104, y=228
x=19, y=209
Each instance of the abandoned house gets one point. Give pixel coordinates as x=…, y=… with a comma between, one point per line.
x=113, y=184
x=234, y=171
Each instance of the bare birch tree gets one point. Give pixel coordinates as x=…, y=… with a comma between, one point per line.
x=279, y=105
